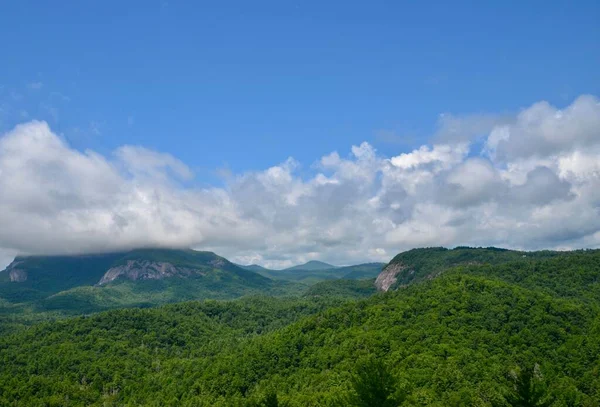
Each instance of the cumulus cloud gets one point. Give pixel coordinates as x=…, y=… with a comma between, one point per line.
x=534, y=184
x=543, y=130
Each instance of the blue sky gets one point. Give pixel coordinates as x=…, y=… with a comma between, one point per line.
x=409, y=124
x=244, y=85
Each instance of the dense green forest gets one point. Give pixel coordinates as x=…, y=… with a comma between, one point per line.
x=523, y=331
x=315, y=274
x=59, y=286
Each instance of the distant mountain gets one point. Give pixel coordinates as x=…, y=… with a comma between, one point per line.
x=308, y=276
x=478, y=327
x=144, y=277
x=156, y=264
x=255, y=268
x=311, y=265
x=420, y=264
x=360, y=271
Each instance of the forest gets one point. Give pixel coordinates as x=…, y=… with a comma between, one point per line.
x=488, y=329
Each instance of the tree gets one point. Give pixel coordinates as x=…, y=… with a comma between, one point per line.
x=270, y=400
x=529, y=389
x=373, y=385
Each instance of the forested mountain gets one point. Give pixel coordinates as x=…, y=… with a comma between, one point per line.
x=418, y=264
x=311, y=266
x=474, y=327
x=45, y=287
x=320, y=272
x=141, y=278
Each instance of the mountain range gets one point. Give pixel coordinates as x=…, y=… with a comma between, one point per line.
x=438, y=327
x=144, y=277
x=316, y=271
x=149, y=277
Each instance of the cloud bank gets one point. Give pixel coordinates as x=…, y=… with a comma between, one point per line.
x=535, y=183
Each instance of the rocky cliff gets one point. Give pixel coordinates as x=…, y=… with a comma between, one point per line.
x=147, y=270
x=388, y=276
x=15, y=273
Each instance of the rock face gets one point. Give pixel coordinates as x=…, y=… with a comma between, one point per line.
x=146, y=270
x=16, y=274
x=388, y=276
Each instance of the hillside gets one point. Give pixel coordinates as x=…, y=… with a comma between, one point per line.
x=141, y=278
x=255, y=267
x=463, y=338
x=419, y=264
x=311, y=266
x=315, y=275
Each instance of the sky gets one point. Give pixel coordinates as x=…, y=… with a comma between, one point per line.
x=286, y=131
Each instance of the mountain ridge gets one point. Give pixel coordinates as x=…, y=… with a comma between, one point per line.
x=466, y=325
x=311, y=265
x=142, y=277
x=427, y=263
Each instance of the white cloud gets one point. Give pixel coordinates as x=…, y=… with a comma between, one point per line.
x=543, y=130
x=439, y=157
x=537, y=184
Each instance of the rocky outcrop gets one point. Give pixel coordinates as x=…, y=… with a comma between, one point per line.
x=16, y=274
x=146, y=270
x=218, y=262
x=389, y=276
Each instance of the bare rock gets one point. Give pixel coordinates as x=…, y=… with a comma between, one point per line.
x=146, y=270
x=16, y=274
x=388, y=276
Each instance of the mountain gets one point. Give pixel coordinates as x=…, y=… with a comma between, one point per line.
x=356, y=272
x=360, y=271
x=156, y=264
x=36, y=277
x=419, y=264
x=255, y=268
x=475, y=327
x=317, y=274
x=144, y=277
x=311, y=266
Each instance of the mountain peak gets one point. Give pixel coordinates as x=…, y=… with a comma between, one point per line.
x=312, y=265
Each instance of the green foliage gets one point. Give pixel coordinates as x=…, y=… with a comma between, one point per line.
x=47, y=275
x=66, y=285
x=311, y=266
x=373, y=385
x=449, y=341
x=270, y=400
x=318, y=274
x=529, y=389
x=342, y=289
x=421, y=264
